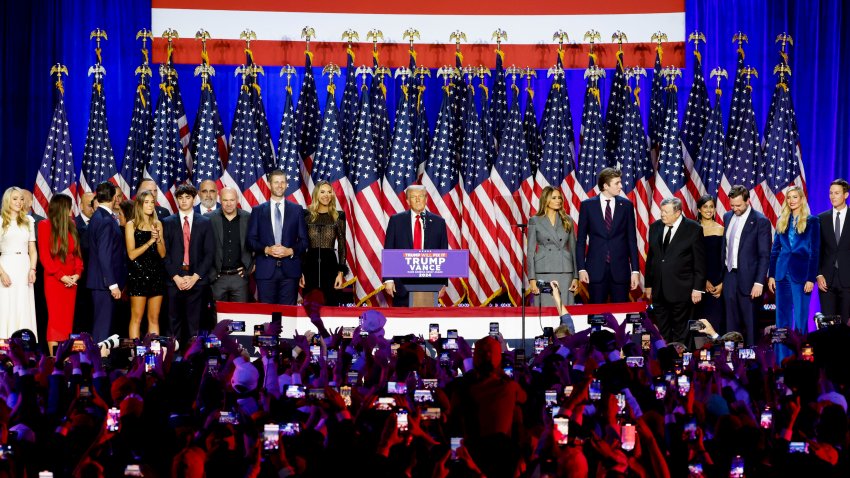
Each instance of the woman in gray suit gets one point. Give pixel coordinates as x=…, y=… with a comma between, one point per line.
x=551, y=248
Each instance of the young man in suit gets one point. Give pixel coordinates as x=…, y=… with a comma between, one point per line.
x=190, y=249
x=277, y=233
x=233, y=259
x=675, y=270
x=107, y=266
x=208, y=193
x=606, y=248
x=746, y=255
x=834, y=265
x=415, y=228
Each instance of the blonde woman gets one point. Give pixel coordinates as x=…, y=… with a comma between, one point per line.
x=551, y=248
x=794, y=263
x=18, y=258
x=146, y=272
x=323, y=265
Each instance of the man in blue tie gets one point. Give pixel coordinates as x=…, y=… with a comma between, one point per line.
x=277, y=233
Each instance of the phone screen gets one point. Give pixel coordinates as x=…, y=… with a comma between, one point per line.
x=290, y=429
x=766, y=420
x=627, y=436
x=113, y=418
x=595, y=389
x=455, y=444
x=737, y=468
x=691, y=429
x=401, y=420
x=271, y=437
x=550, y=397
x=562, y=430
x=434, y=332
x=684, y=385
x=150, y=362
x=451, y=334
x=494, y=328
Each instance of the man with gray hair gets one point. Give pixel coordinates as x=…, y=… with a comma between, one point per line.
x=675, y=270
x=233, y=259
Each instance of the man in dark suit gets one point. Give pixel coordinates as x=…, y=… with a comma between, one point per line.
x=107, y=267
x=208, y=193
x=83, y=307
x=606, y=249
x=746, y=256
x=834, y=266
x=277, y=233
x=148, y=184
x=190, y=249
x=233, y=259
x=415, y=228
x=675, y=270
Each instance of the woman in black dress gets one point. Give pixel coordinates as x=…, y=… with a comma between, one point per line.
x=323, y=264
x=712, y=303
x=145, y=274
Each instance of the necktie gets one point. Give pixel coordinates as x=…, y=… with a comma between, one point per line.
x=667, y=238
x=278, y=223
x=209, y=210
x=186, y=235
x=837, y=227
x=609, y=218
x=731, y=253
x=417, y=233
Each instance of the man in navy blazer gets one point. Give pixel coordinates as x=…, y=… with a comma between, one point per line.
x=746, y=257
x=400, y=235
x=834, y=264
x=606, y=248
x=188, y=269
x=107, y=266
x=277, y=234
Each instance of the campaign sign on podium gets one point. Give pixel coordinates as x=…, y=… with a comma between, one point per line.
x=424, y=264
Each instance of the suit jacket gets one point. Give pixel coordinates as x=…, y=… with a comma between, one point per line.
x=217, y=208
x=831, y=251
x=294, y=236
x=400, y=236
x=753, y=250
x=107, y=263
x=217, y=220
x=201, y=248
x=797, y=263
x=550, y=248
x=161, y=212
x=595, y=242
x=681, y=268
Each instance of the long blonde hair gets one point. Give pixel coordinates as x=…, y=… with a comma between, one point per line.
x=6, y=209
x=313, y=208
x=785, y=215
x=61, y=225
x=139, y=216
x=545, y=196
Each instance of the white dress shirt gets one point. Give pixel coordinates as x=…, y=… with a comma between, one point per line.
x=735, y=242
x=190, y=215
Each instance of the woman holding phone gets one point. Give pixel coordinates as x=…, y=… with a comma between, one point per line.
x=146, y=272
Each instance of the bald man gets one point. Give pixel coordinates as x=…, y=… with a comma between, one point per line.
x=208, y=194
x=233, y=260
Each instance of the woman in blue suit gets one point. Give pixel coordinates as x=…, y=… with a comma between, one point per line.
x=794, y=263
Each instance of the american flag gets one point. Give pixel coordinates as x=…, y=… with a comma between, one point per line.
x=657, y=111
x=208, y=146
x=693, y=128
x=328, y=166
x=782, y=152
x=381, y=132
x=511, y=192
x=636, y=166
x=442, y=185
x=711, y=161
x=418, y=117
x=615, y=112
x=348, y=108
x=308, y=121
x=745, y=163
x=288, y=158
x=56, y=174
x=245, y=169
x=533, y=143
x=591, y=156
x=138, y=151
x=733, y=131
x=670, y=178
x=368, y=215
x=478, y=231
x=167, y=166
x=98, y=159
x=401, y=169
x=179, y=112
x=498, y=104
x=458, y=104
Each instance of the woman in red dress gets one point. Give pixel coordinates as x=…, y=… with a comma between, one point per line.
x=59, y=252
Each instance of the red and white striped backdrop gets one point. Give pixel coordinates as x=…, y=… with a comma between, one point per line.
x=529, y=25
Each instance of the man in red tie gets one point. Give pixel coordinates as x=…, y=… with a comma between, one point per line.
x=413, y=229
x=190, y=250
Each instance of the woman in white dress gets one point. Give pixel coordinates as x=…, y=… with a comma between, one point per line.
x=17, y=265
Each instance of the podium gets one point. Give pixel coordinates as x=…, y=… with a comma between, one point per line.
x=424, y=270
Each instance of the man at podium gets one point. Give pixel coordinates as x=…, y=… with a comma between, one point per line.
x=415, y=228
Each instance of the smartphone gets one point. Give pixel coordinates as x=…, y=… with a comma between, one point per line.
x=433, y=332
x=539, y=345
x=451, y=344
x=746, y=354
x=401, y=420
x=156, y=346
x=509, y=371
x=211, y=342
x=141, y=350
x=271, y=437
x=399, y=388
x=431, y=414
x=150, y=362
x=621, y=404
x=236, y=326
x=451, y=334
x=259, y=329
x=316, y=394
x=345, y=393
x=780, y=335
x=45, y=474
x=212, y=366
x=348, y=332
x=133, y=470
x=595, y=392
x=290, y=429
x=686, y=359
x=333, y=356
x=562, y=430
x=4, y=345
x=228, y=418
x=695, y=470
x=596, y=319
x=684, y=385
x=798, y=447
x=696, y=325
x=737, y=468
x=265, y=341
x=429, y=383
x=627, y=437
x=494, y=329
x=519, y=357
x=645, y=342
x=113, y=419
x=315, y=353
x=807, y=353
x=385, y=403
x=78, y=345
x=766, y=420
x=295, y=391
x=660, y=390
x=423, y=396
x=633, y=318
x=352, y=378
x=550, y=398
x=568, y=390
x=635, y=362
x=691, y=429
x=455, y=444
